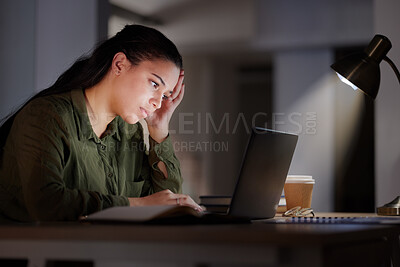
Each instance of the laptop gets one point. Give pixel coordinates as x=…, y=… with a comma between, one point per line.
x=262, y=175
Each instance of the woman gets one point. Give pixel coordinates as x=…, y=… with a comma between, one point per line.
x=77, y=147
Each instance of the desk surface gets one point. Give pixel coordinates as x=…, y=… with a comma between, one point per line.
x=257, y=232
x=257, y=243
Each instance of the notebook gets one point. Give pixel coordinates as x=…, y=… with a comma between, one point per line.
x=336, y=220
x=258, y=189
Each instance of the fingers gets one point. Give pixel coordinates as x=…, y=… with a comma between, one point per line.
x=178, y=86
x=177, y=100
x=181, y=200
x=184, y=200
x=169, y=198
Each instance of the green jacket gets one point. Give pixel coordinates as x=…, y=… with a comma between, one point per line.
x=54, y=167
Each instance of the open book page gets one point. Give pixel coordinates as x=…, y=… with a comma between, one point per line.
x=141, y=214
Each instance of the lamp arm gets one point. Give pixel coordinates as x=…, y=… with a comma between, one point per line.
x=390, y=62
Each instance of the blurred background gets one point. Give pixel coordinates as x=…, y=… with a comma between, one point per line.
x=247, y=63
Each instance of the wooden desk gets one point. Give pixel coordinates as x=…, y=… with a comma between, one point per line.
x=256, y=244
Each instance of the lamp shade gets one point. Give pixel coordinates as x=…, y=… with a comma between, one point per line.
x=362, y=69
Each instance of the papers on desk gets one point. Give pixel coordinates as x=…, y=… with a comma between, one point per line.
x=141, y=214
x=335, y=220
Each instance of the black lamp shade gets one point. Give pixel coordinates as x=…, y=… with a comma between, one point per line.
x=362, y=69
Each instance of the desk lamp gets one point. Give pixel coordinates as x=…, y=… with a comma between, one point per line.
x=361, y=71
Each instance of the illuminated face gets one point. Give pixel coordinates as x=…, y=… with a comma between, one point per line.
x=139, y=90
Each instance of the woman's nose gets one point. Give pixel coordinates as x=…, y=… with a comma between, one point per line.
x=156, y=101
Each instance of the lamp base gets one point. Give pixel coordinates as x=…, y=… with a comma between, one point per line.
x=391, y=208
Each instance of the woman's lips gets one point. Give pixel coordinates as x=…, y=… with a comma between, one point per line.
x=144, y=112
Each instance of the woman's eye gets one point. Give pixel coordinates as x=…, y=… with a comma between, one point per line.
x=164, y=96
x=154, y=84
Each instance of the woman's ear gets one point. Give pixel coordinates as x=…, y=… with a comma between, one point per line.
x=119, y=63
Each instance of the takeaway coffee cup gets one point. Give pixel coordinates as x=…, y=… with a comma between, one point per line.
x=298, y=191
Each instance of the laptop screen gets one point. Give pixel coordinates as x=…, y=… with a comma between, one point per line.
x=263, y=173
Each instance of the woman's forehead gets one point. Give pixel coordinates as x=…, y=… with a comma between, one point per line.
x=167, y=71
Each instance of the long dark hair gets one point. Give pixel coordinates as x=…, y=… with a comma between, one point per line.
x=137, y=42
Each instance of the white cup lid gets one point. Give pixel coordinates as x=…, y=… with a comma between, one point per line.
x=304, y=179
